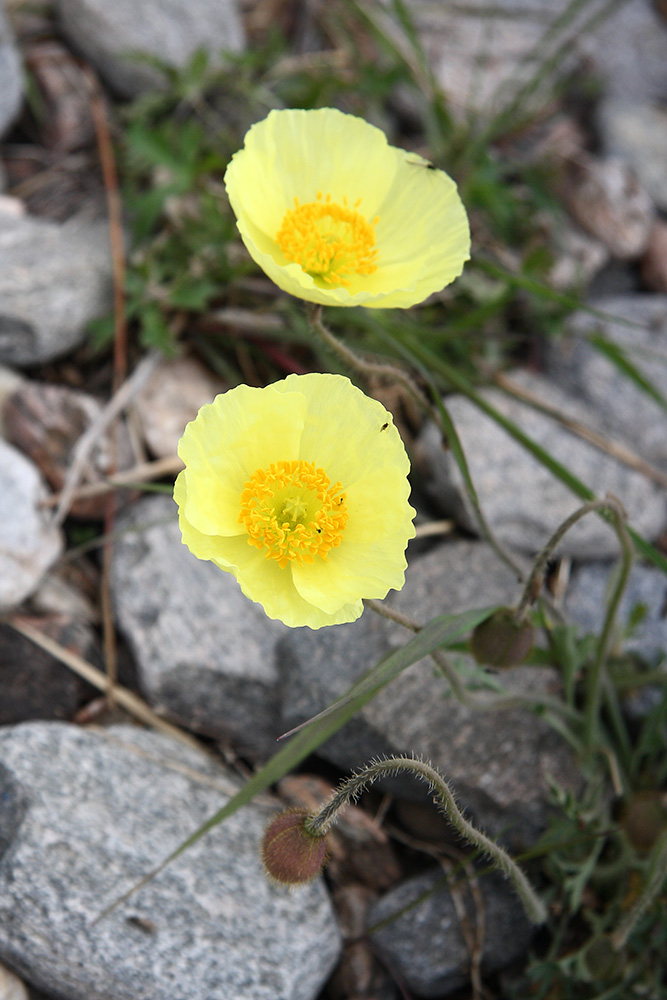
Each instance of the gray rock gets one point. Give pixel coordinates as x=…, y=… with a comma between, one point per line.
x=34, y=684
x=499, y=763
x=11, y=87
x=482, y=54
x=205, y=653
x=638, y=133
x=627, y=52
x=587, y=596
x=29, y=544
x=623, y=409
x=586, y=602
x=85, y=814
x=171, y=30
x=523, y=502
x=53, y=280
x=424, y=943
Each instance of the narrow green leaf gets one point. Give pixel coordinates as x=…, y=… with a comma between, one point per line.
x=618, y=357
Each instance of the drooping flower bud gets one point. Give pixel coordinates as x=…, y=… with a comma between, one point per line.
x=500, y=641
x=292, y=854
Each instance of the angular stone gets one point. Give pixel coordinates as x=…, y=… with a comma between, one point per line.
x=608, y=200
x=586, y=602
x=45, y=421
x=34, y=684
x=171, y=31
x=85, y=814
x=29, y=543
x=205, y=653
x=623, y=409
x=11, y=87
x=499, y=763
x=424, y=943
x=522, y=500
x=637, y=132
x=53, y=280
x=172, y=397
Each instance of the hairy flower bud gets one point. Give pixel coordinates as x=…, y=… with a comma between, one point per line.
x=501, y=641
x=290, y=852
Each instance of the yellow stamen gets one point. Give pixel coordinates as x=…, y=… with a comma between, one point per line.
x=329, y=241
x=292, y=511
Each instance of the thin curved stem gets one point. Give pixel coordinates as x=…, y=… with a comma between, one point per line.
x=351, y=788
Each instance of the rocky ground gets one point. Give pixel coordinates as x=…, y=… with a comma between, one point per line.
x=91, y=802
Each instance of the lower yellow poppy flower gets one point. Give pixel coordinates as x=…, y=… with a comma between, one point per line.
x=300, y=490
x=335, y=215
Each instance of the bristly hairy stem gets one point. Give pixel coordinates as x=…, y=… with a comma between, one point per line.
x=444, y=797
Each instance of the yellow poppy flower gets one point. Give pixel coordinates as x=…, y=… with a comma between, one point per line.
x=336, y=215
x=300, y=490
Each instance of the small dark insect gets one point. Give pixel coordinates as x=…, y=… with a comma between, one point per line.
x=419, y=161
x=384, y=427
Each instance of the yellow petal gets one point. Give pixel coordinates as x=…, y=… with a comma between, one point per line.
x=346, y=433
x=241, y=431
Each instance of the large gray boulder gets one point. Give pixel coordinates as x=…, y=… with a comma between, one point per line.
x=85, y=814
x=205, y=653
x=111, y=36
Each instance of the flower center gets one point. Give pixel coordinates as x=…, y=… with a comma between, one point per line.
x=329, y=241
x=292, y=511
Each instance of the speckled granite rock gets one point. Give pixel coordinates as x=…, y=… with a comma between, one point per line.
x=622, y=408
x=84, y=815
x=522, y=500
x=425, y=945
x=204, y=652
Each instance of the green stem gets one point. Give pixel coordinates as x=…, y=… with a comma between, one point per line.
x=597, y=670
x=534, y=583
x=351, y=788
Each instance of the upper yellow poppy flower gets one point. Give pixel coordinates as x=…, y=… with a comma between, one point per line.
x=300, y=490
x=336, y=215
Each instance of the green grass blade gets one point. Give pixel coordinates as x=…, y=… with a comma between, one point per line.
x=618, y=357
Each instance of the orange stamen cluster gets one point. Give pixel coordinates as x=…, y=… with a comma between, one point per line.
x=292, y=511
x=329, y=241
